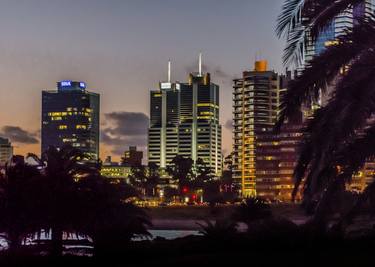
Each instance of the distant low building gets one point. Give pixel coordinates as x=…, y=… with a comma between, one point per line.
x=132, y=157
x=116, y=172
x=6, y=151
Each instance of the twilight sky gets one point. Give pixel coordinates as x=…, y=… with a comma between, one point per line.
x=121, y=48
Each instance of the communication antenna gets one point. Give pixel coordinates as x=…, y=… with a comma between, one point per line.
x=200, y=64
x=169, y=71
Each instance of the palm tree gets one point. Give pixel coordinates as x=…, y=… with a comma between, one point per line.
x=19, y=202
x=221, y=230
x=339, y=139
x=108, y=214
x=301, y=22
x=61, y=169
x=251, y=210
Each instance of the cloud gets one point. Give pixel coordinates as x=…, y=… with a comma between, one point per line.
x=125, y=129
x=229, y=125
x=18, y=135
x=128, y=123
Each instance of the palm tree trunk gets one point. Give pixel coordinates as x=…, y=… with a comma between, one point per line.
x=14, y=241
x=57, y=244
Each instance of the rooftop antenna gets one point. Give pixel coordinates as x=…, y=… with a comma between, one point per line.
x=200, y=64
x=169, y=71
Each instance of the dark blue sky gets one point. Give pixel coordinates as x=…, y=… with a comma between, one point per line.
x=121, y=48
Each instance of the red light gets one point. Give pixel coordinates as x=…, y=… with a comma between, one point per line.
x=194, y=197
x=185, y=189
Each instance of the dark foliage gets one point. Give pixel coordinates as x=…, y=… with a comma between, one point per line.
x=251, y=210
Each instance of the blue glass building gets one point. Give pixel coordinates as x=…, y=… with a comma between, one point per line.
x=70, y=116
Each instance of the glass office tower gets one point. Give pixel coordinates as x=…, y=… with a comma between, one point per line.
x=164, y=121
x=337, y=27
x=185, y=121
x=70, y=115
x=200, y=129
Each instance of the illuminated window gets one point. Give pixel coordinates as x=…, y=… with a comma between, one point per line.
x=81, y=127
x=63, y=127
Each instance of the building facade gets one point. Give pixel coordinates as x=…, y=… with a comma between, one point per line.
x=337, y=27
x=6, y=151
x=132, y=157
x=256, y=104
x=200, y=129
x=276, y=158
x=164, y=122
x=70, y=116
x=116, y=172
x=185, y=121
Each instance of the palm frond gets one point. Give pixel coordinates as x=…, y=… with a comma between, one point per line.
x=301, y=22
x=296, y=42
x=327, y=13
x=326, y=68
x=290, y=16
x=335, y=124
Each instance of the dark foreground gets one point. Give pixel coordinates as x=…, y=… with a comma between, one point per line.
x=282, y=249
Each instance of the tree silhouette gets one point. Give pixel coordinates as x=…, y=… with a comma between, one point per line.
x=340, y=138
x=302, y=21
x=203, y=173
x=19, y=201
x=108, y=214
x=61, y=169
x=251, y=210
x=138, y=177
x=219, y=231
x=153, y=179
x=181, y=169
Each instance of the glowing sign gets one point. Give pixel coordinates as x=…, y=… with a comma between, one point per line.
x=82, y=85
x=66, y=83
x=178, y=87
x=166, y=85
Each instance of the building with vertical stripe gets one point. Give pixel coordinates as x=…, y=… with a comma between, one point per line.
x=184, y=120
x=164, y=122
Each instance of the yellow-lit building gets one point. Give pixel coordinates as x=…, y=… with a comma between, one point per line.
x=116, y=172
x=256, y=105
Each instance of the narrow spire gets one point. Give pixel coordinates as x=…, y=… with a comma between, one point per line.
x=169, y=71
x=200, y=64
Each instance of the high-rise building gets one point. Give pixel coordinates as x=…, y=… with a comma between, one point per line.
x=132, y=157
x=6, y=151
x=256, y=105
x=337, y=27
x=70, y=116
x=164, y=122
x=185, y=121
x=276, y=158
x=200, y=129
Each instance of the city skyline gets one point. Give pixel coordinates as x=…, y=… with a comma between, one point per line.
x=120, y=62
